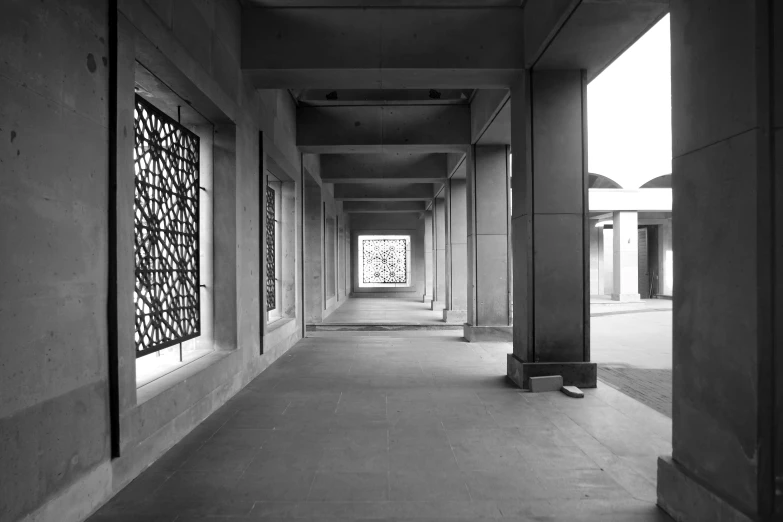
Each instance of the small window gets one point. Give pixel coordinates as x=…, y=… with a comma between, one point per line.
x=385, y=261
x=274, y=298
x=166, y=231
x=271, y=248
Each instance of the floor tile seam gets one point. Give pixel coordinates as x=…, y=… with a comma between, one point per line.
x=615, y=476
x=310, y=489
x=581, y=446
x=193, y=453
x=598, y=442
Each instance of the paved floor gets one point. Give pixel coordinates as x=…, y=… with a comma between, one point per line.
x=634, y=355
x=603, y=305
x=405, y=427
x=381, y=310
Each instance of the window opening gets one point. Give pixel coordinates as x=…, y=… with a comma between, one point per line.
x=271, y=243
x=384, y=261
x=166, y=231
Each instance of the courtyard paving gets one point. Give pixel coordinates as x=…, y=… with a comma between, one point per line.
x=634, y=355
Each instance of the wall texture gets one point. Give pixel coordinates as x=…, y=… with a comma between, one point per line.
x=54, y=225
x=53, y=235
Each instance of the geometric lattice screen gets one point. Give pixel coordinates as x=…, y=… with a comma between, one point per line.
x=270, y=249
x=385, y=260
x=166, y=230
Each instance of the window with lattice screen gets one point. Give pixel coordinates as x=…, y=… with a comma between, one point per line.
x=166, y=231
x=384, y=261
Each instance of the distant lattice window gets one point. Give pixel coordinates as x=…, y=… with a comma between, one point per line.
x=271, y=302
x=385, y=261
x=166, y=231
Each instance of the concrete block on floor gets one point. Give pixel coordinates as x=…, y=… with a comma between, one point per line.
x=573, y=391
x=546, y=383
x=582, y=374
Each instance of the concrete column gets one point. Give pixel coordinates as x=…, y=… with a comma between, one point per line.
x=551, y=286
x=457, y=253
x=727, y=148
x=488, y=246
x=428, y=261
x=439, y=236
x=626, y=256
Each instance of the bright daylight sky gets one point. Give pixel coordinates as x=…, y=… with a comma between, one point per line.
x=629, y=113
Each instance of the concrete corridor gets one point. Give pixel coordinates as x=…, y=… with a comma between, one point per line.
x=385, y=310
x=405, y=426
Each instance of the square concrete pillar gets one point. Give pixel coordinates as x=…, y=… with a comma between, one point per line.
x=727, y=146
x=456, y=253
x=549, y=227
x=429, y=276
x=439, y=257
x=489, y=304
x=626, y=256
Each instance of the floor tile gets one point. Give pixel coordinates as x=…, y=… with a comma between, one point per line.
x=349, y=486
x=404, y=426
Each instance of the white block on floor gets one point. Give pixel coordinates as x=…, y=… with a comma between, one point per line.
x=546, y=383
x=573, y=391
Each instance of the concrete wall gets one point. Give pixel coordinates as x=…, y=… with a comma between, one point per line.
x=325, y=258
x=53, y=235
x=369, y=224
x=313, y=243
x=54, y=228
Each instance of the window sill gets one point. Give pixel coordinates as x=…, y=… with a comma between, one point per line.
x=277, y=324
x=160, y=385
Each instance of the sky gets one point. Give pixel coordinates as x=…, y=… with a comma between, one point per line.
x=629, y=112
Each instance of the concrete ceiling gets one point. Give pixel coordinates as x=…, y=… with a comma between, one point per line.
x=597, y=32
x=391, y=93
x=499, y=131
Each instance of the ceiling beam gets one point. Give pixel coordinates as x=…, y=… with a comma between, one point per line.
x=378, y=129
x=384, y=192
x=586, y=34
x=484, y=107
x=373, y=207
x=397, y=168
x=391, y=48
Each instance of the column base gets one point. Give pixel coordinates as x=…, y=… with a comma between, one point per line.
x=455, y=316
x=684, y=498
x=437, y=305
x=426, y=298
x=581, y=374
x=627, y=298
x=488, y=334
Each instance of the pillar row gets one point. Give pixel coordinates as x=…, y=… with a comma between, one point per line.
x=549, y=228
x=456, y=253
x=489, y=305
